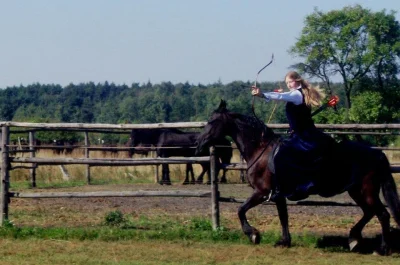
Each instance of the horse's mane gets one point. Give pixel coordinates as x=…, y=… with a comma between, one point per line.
x=249, y=124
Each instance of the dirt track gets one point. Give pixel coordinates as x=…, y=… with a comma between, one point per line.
x=90, y=211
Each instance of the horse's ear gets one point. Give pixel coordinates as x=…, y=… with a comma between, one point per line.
x=222, y=105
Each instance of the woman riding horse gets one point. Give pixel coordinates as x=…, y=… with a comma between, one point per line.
x=310, y=145
x=360, y=170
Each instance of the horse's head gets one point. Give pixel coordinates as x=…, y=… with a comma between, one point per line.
x=247, y=132
x=216, y=128
x=137, y=140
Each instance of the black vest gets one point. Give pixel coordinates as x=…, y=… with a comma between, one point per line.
x=299, y=117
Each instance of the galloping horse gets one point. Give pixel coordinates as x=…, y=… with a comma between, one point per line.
x=173, y=142
x=359, y=170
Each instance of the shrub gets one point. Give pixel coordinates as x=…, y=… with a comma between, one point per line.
x=114, y=218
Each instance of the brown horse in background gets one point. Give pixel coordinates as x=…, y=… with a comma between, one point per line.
x=360, y=170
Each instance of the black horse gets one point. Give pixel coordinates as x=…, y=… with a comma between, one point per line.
x=173, y=142
x=357, y=169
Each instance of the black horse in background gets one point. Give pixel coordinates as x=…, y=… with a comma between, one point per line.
x=360, y=170
x=173, y=142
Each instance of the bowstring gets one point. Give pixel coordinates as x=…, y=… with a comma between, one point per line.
x=276, y=104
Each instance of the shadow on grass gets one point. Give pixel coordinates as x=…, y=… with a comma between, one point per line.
x=366, y=246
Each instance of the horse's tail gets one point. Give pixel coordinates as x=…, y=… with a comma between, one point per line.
x=389, y=189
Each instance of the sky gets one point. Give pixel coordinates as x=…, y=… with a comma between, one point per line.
x=136, y=41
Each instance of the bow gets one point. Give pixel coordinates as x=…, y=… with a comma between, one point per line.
x=255, y=82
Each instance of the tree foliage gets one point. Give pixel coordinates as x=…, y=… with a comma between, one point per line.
x=353, y=43
x=90, y=103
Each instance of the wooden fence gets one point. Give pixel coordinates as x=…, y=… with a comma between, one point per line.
x=32, y=161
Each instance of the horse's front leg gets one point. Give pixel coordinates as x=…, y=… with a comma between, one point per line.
x=165, y=175
x=189, y=171
x=252, y=233
x=281, y=205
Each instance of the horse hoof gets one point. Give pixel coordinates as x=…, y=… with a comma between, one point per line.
x=165, y=182
x=382, y=252
x=283, y=243
x=186, y=183
x=255, y=238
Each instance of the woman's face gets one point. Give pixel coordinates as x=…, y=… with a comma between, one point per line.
x=291, y=83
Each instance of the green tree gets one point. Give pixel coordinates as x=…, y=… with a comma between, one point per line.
x=352, y=43
x=367, y=108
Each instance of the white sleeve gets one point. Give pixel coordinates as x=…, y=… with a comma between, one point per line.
x=293, y=96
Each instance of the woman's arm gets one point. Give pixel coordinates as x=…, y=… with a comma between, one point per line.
x=293, y=96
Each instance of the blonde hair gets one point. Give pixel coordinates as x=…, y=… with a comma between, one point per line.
x=313, y=95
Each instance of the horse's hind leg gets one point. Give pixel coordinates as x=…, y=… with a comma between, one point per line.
x=384, y=219
x=192, y=179
x=355, y=235
x=281, y=205
x=223, y=177
x=218, y=169
x=204, y=169
x=371, y=205
x=186, y=181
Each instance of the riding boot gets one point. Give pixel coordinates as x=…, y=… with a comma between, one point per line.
x=275, y=194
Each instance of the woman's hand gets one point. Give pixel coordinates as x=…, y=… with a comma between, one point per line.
x=255, y=91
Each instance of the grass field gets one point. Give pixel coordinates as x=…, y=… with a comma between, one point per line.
x=165, y=231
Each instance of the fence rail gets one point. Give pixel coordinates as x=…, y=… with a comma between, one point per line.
x=109, y=162
x=173, y=193
x=84, y=126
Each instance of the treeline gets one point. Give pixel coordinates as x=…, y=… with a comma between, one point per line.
x=110, y=103
x=167, y=102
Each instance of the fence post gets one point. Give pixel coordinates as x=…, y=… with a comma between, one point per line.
x=5, y=177
x=156, y=168
x=214, y=191
x=32, y=171
x=87, y=143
